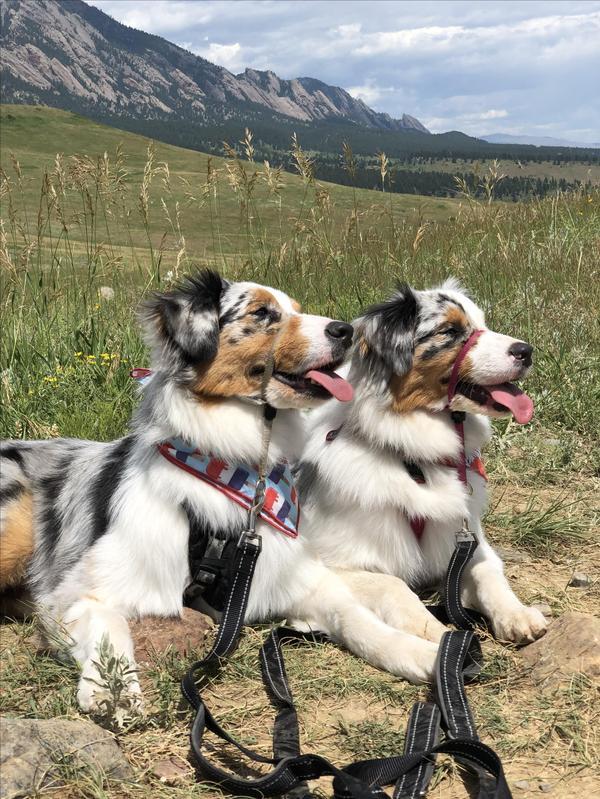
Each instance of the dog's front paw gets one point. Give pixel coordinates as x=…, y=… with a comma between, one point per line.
x=519, y=625
x=417, y=662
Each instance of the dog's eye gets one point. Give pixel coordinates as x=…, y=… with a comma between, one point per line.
x=261, y=313
x=449, y=330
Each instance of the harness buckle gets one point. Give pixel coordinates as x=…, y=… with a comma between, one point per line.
x=250, y=538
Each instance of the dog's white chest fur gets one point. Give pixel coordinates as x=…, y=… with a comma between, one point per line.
x=360, y=504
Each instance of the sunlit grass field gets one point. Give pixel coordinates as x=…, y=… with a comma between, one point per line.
x=93, y=218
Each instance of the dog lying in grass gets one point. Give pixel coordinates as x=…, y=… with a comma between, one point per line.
x=99, y=531
x=378, y=475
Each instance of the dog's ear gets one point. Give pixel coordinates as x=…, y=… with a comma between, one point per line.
x=387, y=330
x=185, y=322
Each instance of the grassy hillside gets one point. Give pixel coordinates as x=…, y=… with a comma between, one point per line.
x=83, y=238
x=219, y=203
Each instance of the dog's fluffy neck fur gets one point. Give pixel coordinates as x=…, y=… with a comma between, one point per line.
x=420, y=436
x=229, y=428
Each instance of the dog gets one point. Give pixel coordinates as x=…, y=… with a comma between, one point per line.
x=377, y=477
x=100, y=530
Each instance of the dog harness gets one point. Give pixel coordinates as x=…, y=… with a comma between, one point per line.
x=238, y=482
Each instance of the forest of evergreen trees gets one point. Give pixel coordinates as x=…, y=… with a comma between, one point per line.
x=437, y=183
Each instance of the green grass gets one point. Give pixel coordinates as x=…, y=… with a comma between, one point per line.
x=73, y=225
x=35, y=134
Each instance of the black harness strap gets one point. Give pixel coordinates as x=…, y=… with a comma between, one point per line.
x=461, y=617
x=232, y=619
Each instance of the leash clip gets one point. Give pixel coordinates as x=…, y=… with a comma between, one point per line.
x=464, y=536
x=257, y=503
x=249, y=538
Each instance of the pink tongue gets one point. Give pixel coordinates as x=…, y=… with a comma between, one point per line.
x=511, y=397
x=336, y=385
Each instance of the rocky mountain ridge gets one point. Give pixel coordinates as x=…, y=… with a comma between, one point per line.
x=70, y=55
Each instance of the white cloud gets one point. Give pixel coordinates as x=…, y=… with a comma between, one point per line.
x=159, y=16
x=434, y=38
x=347, y=31
x=494, y=113
x=230, y=56
x=369, y=93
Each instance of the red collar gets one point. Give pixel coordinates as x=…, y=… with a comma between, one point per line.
x=463, y=352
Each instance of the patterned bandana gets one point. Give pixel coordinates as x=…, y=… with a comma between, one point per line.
x=238, y=481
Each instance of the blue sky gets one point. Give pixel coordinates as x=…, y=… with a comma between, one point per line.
x=504, y=66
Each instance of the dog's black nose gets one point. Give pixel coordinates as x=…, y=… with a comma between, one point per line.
x=522, y=352
x=340, y=330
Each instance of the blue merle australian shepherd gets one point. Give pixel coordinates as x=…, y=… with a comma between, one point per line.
x=99, y=531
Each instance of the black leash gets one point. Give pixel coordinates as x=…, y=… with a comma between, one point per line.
x=458, y=662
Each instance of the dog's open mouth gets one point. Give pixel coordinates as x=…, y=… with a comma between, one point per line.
x=320, y=383
x=503, y=398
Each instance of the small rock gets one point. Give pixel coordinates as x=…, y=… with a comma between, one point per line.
x=571, y=646
x=35, y=753
x=154, y=635
x=544, y=608
x=545, y=787
x=522, y=785
x=106, y=292
x=171, y=771
x=579, y=580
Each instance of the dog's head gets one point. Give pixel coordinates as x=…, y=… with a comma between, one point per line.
x=408, y=345
x=218, y=339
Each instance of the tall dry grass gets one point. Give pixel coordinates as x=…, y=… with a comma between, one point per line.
x=76, y=262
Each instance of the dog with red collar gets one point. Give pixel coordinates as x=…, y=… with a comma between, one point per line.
x=389, y=479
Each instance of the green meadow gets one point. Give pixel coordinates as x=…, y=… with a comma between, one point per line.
x=92, y=218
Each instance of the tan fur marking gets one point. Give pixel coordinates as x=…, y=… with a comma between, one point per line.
x=423, y=385
x=260, y=297
x=16, y=541
x=247, y=344
x=228, y=375
x=292, y=347
x=296, y=306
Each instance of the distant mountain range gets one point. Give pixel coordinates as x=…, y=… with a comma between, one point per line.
x=536, y=141
x=70, y=55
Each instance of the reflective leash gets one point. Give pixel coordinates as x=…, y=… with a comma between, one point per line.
x=458, y=662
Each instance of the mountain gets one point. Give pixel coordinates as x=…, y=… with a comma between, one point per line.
x=67, y=54
x=309, y=98
x=537, y=141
